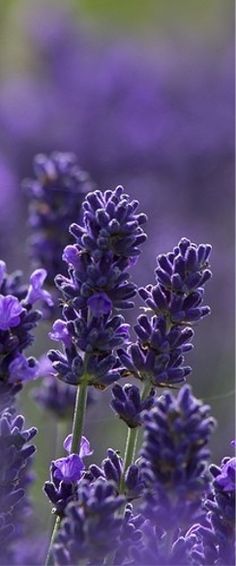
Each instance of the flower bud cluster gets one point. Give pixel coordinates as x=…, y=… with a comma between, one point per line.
x=174, y=302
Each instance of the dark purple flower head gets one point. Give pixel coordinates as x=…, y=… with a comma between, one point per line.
x=175, y=456
x=10, y=311
x=111, y=225
x=180, y=277
x=163, y=339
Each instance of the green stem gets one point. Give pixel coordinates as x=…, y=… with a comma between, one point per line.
x=131, y=441
x=79, y=414
x=49, y=559
x=77, y=431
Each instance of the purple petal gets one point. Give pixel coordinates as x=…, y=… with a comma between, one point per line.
x=84, y=449
x=21, y=370
x=10, y=311
x=60, y=332
x=35, y=291
x=69, y=468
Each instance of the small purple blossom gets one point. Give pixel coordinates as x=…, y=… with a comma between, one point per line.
x=10, y=311
x=22, y=369
x=60, y=332
x=35, y=291
x=68, y=469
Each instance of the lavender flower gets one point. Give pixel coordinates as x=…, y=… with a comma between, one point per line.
x=216, y=538
x=175, y=301
x=55, y=199
x=91, y=527
x=175, y=457
x=18, y=319
x=98, y=282
x=15, y=454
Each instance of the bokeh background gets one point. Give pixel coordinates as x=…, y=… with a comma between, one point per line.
x=143, y=93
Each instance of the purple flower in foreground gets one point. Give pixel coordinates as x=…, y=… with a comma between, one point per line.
x=35, y=291
x=10, y=311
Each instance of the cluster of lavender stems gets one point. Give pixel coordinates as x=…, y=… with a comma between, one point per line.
x=165, y=505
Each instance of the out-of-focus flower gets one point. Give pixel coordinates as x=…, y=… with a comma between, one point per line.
x=175, y=458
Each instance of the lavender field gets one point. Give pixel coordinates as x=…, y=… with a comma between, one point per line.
x=117, y=422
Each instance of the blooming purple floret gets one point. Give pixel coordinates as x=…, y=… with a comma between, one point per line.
x=10, y=311
x=36, y=291
x=68, y=469
x=65, y=473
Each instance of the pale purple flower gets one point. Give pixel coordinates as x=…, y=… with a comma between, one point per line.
x=71, y=255
x=60, y=332
x=68, y=469
x=22, y=369
x=10, y=311
x=226, y=479
x=84, y=449
x=36, y=292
